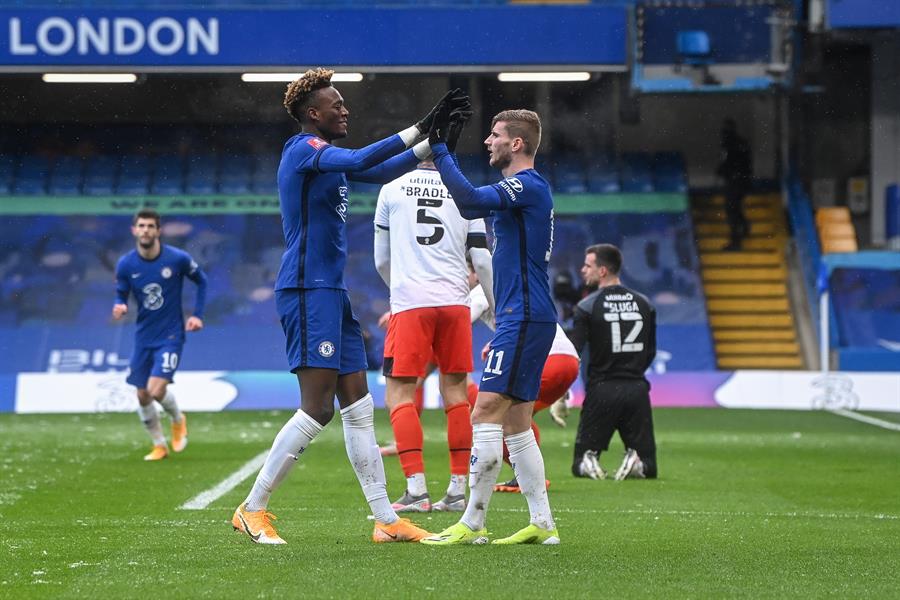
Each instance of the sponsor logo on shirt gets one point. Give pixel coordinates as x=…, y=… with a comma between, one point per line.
x=341, y=208
x=153, y=298
x=316, y=143
x=511, y=185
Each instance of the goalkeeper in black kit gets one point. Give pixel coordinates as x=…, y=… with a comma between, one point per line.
x=618, y=328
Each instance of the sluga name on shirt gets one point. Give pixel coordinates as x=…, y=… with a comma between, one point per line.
x=620, y=307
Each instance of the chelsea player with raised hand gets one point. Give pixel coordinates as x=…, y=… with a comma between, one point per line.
x=522, y=207
x=324, y=340
x=154, y=273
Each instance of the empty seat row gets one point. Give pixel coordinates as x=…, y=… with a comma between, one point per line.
x=137, y=175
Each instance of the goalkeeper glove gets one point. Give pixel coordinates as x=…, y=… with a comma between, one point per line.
x=458, y=120
x=455, y=98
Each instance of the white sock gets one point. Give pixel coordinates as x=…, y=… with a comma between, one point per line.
x=170, y=406
x=289, y=444
x=487, y=458
x=415, y=484
x=528, y=464
x=457, y=485
x=150, y=418
x=362, y=450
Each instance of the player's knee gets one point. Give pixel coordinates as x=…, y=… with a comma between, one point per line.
x=157, y=390
x=320, y=414
x=144, y=397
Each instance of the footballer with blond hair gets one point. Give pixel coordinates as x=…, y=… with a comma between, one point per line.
x=522, y=206
x=324, y=344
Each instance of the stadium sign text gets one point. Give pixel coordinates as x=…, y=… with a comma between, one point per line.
x=117, y=36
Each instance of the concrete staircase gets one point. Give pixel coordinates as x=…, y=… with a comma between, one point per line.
x=747, y=291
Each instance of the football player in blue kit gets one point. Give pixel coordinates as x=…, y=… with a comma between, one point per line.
x=324, y=340
x=522, y=207
x=154, y=273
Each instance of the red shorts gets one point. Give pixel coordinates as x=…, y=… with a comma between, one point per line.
x=441, y=334
x=560, y=372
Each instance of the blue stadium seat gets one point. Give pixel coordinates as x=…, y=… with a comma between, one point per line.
x=475, y=168
x=31, y=176
x=636, y=173
x=67, y=174
x=202, y=174
x=361, y=187
x=603, y=176
x=134, y=178
x=265, y=175
x=168, y=175
x=100, y=176
x=236, y=174
x=693, y=47
x=753, y=83
x=570, y=175
x=669, y=174
x=7, y=168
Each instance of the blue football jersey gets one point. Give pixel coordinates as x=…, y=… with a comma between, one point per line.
x=522, y=206
x=157, y=285
x=523, y=241
x=312, y=190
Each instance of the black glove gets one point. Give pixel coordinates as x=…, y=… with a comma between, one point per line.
x=454, y=98
x=440, y=125
x=458, y=120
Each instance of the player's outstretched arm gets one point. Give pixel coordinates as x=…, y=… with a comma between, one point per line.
x=333, y=159
x=395, y=166
x=472, y=202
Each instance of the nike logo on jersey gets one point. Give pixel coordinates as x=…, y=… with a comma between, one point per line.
x=489, y=378
x=135, y=275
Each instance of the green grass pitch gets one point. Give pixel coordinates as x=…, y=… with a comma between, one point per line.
x=749, y=504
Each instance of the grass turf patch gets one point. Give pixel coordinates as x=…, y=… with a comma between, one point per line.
x=749, y=503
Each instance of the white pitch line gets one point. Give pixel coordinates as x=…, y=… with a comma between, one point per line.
x=207, y=497
x=867, y=419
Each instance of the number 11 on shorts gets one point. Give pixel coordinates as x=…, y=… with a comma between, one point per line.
x=495, y=370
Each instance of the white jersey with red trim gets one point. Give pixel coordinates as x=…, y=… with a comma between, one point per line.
x=428, y=241
x=480, y=309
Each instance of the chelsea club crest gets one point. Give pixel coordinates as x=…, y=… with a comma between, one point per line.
x=326, y=349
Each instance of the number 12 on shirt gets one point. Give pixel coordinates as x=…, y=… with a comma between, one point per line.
x=615, y=330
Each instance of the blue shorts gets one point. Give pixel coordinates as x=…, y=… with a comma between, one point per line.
x=516, y=359
x=322, y=331
x=154, y=361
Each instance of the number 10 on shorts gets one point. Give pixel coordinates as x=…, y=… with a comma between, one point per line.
x=495, y=370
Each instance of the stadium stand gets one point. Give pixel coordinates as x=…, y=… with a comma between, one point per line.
x=228, y=173
x=747, y=292
x=836, y=230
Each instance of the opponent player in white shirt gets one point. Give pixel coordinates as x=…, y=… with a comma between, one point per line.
x=420, y=252
x=560, y=372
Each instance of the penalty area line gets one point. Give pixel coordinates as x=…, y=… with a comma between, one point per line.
x=207, y=497
x=866, y=419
